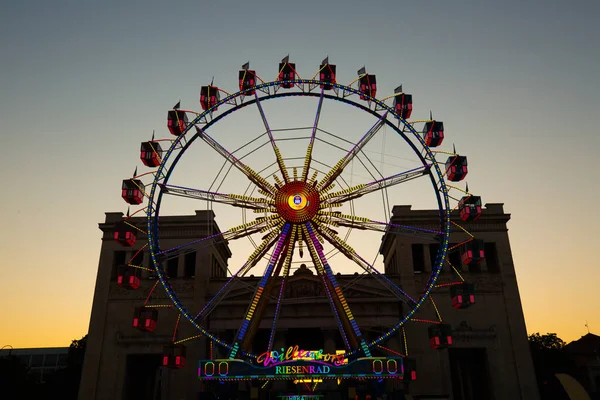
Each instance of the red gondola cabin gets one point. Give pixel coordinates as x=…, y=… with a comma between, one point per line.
x=177, y=122
x=131, y=191
x=456, y=168
x=247, y=80
x=463, y=295
x=367, y=86
x=440, y=336
x=433, y=133
x=151, y=153
x=128, y=277
x=469, y=208
x=209, y=97
x=403, y=105
x=124, y=234
x=144, y=318
x=287, y=72
x=409, y=369
x=174, y=356
x=473, y=252
x=327, y=75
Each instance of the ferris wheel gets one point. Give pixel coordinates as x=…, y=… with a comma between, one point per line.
x=302, y=194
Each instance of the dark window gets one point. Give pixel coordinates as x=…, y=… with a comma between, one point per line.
x=469, y=374
x=475, y=267
x=50, y=361
x=119, y=258
x=37, y=360
x=141, y=376
x=491, y=257
x=454, y=257
x=138, y=258
x=434, y=248
x=418, y=256
x=172, y=266
x=190, y=265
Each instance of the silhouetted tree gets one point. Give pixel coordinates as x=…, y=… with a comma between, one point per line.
x=548, y=341
x=549, y=358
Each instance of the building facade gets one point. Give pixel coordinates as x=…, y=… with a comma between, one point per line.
x=585, y=353
x=41, y=362
x=489, y=357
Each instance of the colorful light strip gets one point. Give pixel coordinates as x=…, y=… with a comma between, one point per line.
x=338, y=290
x=260, y=288
x=321, y=272
x=286, y=270
x=300, y=370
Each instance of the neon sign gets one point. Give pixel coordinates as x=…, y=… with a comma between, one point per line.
x=300, y=369
x=294, y=353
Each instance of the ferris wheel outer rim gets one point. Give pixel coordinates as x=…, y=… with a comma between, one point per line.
x=152, y=228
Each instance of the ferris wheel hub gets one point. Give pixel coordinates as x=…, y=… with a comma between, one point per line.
x=297, y=202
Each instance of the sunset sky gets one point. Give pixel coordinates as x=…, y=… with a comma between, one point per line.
x=82, y=83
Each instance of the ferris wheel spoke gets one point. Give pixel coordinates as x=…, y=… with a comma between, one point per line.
x=260, y=289
x=254, y=258
x=336, y=307
x=308, y=158
x=264, y=300
x=351, y=221
x=280, y=162
x=260, y=224
x=235, y=200
x=343, y=163
x=351, y=254
x=286, y=271
x=243, y=168
x=338, y=291
x=380, y=184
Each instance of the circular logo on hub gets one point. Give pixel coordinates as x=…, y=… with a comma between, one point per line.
x=297, y=201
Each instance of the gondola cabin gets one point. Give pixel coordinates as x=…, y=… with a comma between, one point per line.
x=433, y=133
x=367, y=86
x=287, y=72
x=125, y=234
x=145, y=318
x=327, y=75
x=463, y=295
x=177, y=122
x=128, y=277
x=247, y=80
x=409, y=369
x=131, y=191
x=473, y=252
x=173, y=356
x=151, y=153
x=440, y=336
x=469, y=208
x=456, y=168
x=209, y=97
x=403, y=105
